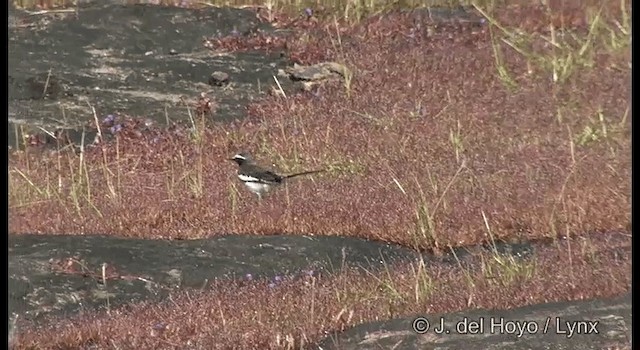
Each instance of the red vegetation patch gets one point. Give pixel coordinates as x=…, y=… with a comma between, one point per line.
x=426, y=140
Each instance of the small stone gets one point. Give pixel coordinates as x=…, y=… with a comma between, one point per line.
x=218, y=78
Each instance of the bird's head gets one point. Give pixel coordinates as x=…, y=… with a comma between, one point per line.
x=241, y=158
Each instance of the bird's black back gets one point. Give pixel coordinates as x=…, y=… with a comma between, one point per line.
x=262, y=175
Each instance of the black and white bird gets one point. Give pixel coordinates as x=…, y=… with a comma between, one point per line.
x=259, y=180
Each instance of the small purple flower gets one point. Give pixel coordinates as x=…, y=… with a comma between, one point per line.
x=248, y=277
x=160, y=326
x=108, y=120
x=308, y=11
x=235, y=32
x=277, y=278
x=272, y=285
x=116, y=128
x=309, y=272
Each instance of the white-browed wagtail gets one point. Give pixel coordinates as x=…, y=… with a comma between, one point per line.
x=259, y=180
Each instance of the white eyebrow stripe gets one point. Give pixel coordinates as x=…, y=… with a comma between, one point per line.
x=239, y=156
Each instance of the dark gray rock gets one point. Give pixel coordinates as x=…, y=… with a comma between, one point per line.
x=60, y=274
x=141, y=60
x=218, y=78
x=580, y=325
x=51, y=274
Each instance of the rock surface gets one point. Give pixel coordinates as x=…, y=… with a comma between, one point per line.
x=580, y=325
x=143, y=60
x=58, y=274
x=51, y=274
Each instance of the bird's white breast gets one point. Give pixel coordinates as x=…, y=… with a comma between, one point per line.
x=257, y=187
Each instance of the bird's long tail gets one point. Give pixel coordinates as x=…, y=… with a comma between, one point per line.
x=302, y=173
